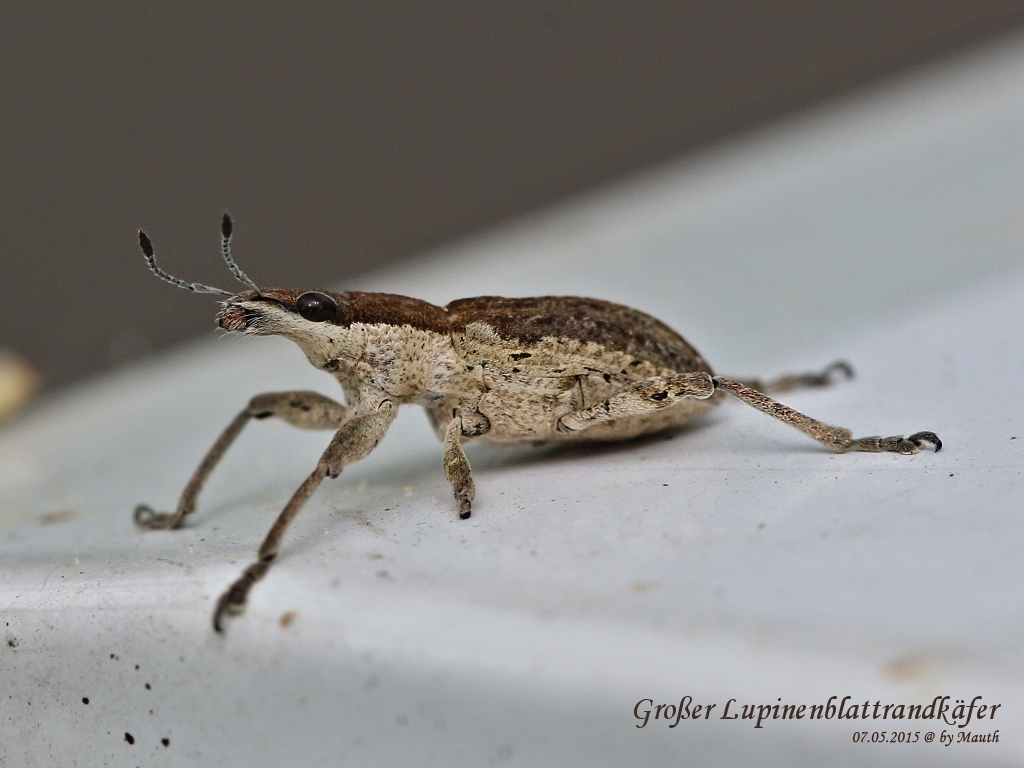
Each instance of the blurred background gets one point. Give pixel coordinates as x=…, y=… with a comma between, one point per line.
x=344, y=137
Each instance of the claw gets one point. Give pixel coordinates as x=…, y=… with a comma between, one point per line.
x=147, y=518
x=920, y=438
x=233, y=601
x=838, y=365
x=144, y=515
x=230, y=602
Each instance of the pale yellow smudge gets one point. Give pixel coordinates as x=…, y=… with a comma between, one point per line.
x=18, y=383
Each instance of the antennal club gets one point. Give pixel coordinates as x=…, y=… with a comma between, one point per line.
x=226, y=226
x=147, y=250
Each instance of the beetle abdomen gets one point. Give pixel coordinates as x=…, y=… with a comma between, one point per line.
x=541, y=358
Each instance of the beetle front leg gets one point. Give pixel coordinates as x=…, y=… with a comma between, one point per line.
x=457, y=470
x=306, y=410
x=354, y=441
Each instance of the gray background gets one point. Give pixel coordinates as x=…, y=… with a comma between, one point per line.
x=343, y=138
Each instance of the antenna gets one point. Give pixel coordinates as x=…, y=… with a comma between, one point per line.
x=147, y=250
x=225, y=250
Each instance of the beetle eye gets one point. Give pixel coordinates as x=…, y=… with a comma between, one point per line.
x=316, y=307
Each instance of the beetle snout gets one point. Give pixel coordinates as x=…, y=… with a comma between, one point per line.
x=237, y=318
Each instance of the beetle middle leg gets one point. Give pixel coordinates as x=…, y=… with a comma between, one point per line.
x=354, y=441
x=306, y=410
x=456, y=468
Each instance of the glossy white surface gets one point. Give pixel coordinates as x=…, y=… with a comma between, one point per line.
x=734, y=559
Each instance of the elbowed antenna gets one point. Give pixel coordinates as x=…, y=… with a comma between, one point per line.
x=225, y=250
x=147, y=250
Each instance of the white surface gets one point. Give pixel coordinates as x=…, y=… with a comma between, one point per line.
x=734, y=559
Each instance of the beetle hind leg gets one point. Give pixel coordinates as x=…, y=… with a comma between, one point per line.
x=660, y=392
x=838, y=439
x=826, y=377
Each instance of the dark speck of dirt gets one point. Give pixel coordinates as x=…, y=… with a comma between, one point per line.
x=165, y=742
x=136, y=666
x=12, y=642
x=129, y=738
x=85, y=699
x=148, y=688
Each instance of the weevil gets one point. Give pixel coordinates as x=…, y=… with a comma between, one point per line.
x=553, y=368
